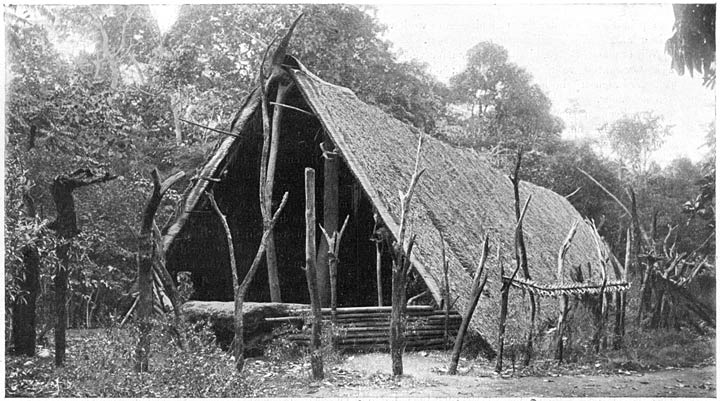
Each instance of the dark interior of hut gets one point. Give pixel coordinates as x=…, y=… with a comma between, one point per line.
x=202, y=248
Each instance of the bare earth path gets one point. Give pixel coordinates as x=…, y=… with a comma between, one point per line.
x=425, y=379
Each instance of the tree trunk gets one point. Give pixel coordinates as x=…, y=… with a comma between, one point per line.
x=175, y=108
x=330, y=221
x=316, y=361
x=271, y=253
x=65, y=225
x=147, y=253
x=24, y=315
x=145, y=302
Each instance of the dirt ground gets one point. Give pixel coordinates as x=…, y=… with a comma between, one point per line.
x=425, y=377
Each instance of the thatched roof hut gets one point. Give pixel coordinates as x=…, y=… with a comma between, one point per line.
x=460, y=194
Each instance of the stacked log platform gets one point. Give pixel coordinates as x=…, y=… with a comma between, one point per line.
x=368, y=328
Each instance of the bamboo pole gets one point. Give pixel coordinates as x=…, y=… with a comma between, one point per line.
x=476, y=290
x=316, y=361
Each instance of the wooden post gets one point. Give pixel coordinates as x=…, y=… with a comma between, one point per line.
x=446, y=291
x=146, y=256
x=559, y=346
x=333, y=258
x=65, y=225
x=378, y=262
x=330, y=218
x=600, y=331
x=24, y=316
x=563, y=298
x=271, y=254
x=400, y=269
x=504, y=293
x=521, y=257
x=476, y=291
x=239, y=289
x=620, y=300
x=505, y=290
x=316, y=361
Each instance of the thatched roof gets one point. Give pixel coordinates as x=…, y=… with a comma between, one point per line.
x=460, y=194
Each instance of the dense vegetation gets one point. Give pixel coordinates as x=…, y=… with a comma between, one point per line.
x=101, y=86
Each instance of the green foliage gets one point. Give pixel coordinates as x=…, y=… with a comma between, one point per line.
x=212, y=54
x=634, y=138
x=506, y=109
x=692, y=45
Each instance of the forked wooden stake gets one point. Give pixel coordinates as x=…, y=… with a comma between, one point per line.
x=400, y=269
x=240, y=289
x=333, y=261
x=476, y=290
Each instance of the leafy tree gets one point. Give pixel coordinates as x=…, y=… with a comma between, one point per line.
x=558, y=170
x=634, y=138
x=505, y=107
x=703, y=203
x=60, y=118
x=211, y=57
x=692, y=45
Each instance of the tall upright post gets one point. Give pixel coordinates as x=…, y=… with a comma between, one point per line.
x=563, y=298
x=316, y=361
x=270, y=253
x=378, y=262
x=330, y=218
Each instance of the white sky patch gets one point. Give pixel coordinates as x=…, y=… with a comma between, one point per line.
x=166, y=14
x=609, y=57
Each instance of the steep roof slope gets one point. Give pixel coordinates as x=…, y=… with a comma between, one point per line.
x=459, y=194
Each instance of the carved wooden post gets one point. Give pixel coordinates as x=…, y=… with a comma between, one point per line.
x=333, y=256
x=330, y=218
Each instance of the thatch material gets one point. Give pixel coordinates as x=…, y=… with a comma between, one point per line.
x=460, y=195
